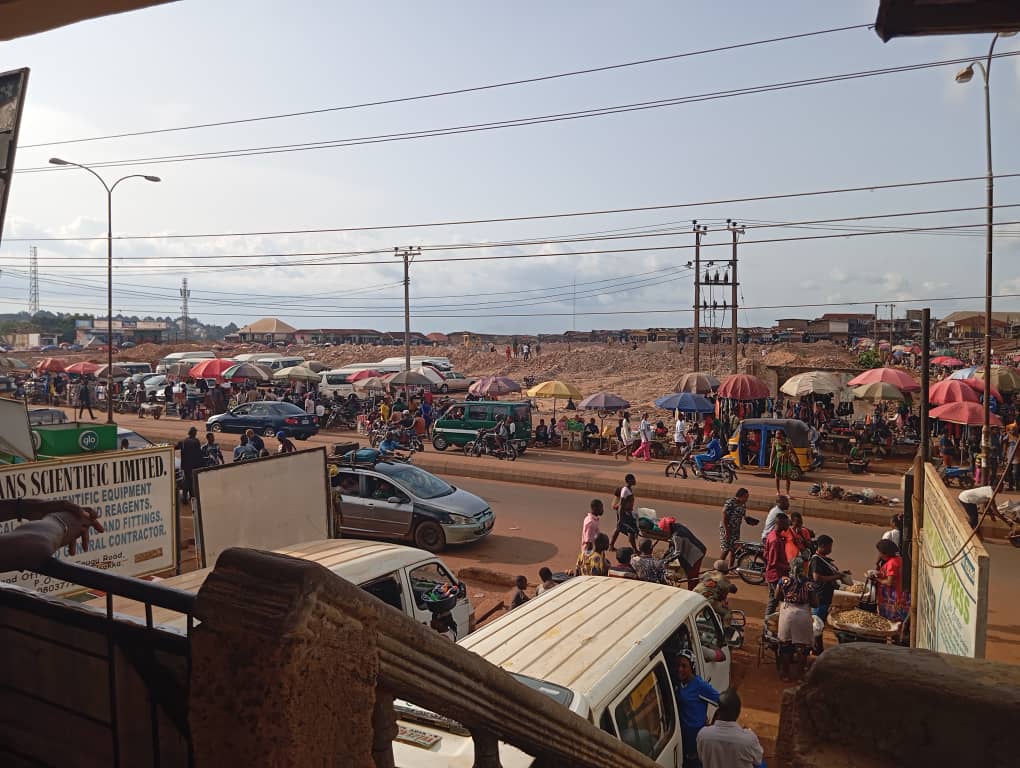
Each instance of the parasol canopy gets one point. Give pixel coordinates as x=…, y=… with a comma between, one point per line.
x=554, y=388
x=878, y=390
x=604, y=401
x=1004, y=378
x=948, y=362
x=494, y=385
x=902, y=380
x=408, y=379
x=180, y=369
x=688, y=402
x=968, y=414
x=812, y=383
x=964, y=373
x=316, y=365
x=50, y=365
x=951, y=391
x=742, y=386
x=84, y=368
x=211, y=369
x=367, y=374
x=435, y=377
x=978, y=385
x=296, y=373
x=246, y=371
x=698, y=382
x=12, y=363
x=117, y=373
x=371, y=384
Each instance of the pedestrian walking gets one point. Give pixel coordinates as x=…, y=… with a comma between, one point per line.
x=645, y=433
x=626, y=522
x=590, y=527
x=626, y=437
x=782, y=459
x=85, y=399
x=776, y=564
x=734, y=513
x=192, y=458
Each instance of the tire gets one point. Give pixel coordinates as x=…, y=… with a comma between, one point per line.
x=429, y=535
x=373, y=440
x=216, y=427
x=751, y=568
x=796, y=474
x=511, y=453
x=268, y=432
x=304, y=436
x=521, y=450
x=477, y=449
x=730, y=475
x=439, y=443
x=469, y=448
x=417, y=444
x=672, y=468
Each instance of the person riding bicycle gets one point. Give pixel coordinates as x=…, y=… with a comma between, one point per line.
x=389, y=445
x=713, y=452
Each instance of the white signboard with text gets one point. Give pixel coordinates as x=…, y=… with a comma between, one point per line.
x=952, y=602
x=134, y=494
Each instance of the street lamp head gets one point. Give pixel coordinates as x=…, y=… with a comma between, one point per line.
x=58, y=161
x=152, y=178
x=965, y=75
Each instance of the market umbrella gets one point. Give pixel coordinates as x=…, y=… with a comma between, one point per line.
x=1006, y=379
x=435, y=377
x=84, y=368
x=964, y=373
x=902, y=380
x=296, y=373
x=688, y=402
x=554, y=389
x=494, y=385
x=603, y=401
x=948, y=362
x=978, y=385
x=50, y=365
x=366, y=374
x=878, y=390
x=951, y=391
x=12, y=363
x=246, y=371
x=742, y=386
x=698, y=382
x=316, y=365
x=211, y=369
x=117, y=373
x=408, y=378
x=178, y=370
x=968, y=414
x=372, y=383
x=812, y=383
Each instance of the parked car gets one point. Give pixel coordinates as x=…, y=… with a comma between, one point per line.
x=155, y=384
x=49, y=348
x=396, y=500
x=127, y=344
x=267, y=417
x=454, y=382
x=136, y=441
x=38, y=416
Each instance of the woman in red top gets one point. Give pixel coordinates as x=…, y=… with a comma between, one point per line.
x=797, y=537
x=892, y=601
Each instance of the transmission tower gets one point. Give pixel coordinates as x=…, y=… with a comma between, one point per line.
x=33, y=280
x=185, y=294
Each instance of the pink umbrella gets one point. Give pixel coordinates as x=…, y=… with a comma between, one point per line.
x=951, y=391
x=494, y=385
x=902, y=380
x=948, y=362
x=978, y=385
x=742, y=386
x=968, y=414
x=50, y=365
x=83, y=368
x=363, y=375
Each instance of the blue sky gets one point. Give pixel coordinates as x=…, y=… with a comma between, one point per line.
x=192, y=62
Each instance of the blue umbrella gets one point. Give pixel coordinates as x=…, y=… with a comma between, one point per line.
x=964, y=373
x=688, y=402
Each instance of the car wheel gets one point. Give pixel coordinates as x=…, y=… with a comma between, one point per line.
x=269, y=432
x=429, y=535
x=216, y=427
x=439, y=443
x=304, y=436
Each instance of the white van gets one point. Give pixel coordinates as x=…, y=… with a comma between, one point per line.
x=278, y=362
x=397, y=575
x=442, y=363
x=176, y=357
x=249, y=357
x=338, y=380
x=133, y=368
x=606, y=648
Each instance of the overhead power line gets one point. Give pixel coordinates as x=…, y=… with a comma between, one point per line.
x=452, y=92
x=509, y=123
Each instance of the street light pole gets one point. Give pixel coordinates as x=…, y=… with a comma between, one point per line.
x=988, y=468
x=109, y=269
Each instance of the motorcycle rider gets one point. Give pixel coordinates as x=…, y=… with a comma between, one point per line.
x=713, y=452
x=389, y=445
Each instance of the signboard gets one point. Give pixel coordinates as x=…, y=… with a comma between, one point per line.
x=16, y=437
x=134, y=494
x=264, y=504
x=12, y=99
x=952, y=602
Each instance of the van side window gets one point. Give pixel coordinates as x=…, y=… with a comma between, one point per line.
x=387, y=589
x=478, y=413
x=606, y=723
x=712, y=641
x=425, y=578
x=645, y=717
x=678, y=641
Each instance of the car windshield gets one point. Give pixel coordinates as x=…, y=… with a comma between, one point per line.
x=422, y=484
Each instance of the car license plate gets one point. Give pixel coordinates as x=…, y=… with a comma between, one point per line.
x=417, y=737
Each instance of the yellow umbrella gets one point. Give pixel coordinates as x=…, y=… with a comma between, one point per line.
x=554, y=389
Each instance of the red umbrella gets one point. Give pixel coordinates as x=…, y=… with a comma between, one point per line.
x=211, y=369
x=902, y=380
x=951, y=391
x=367, y=374
x=949, y=362
x=494, y=385
x=742, y=386
x=83, y=368
x=968, y=414
x=50, y=365
x=978, y=385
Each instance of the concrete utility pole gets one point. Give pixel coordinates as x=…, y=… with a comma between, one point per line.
x=699, y=231
x=33, y=281
x=735, y=230
x=185, y=295
x=408, y=255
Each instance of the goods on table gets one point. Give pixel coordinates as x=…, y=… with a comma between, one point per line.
x=857, y=588
x=863, y=620
x=863, y=496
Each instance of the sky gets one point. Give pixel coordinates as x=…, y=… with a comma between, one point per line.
x=190, y=62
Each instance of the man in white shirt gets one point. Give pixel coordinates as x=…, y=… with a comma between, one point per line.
x=680, y=433
x=974, y=501
x=782, y=506
x=724, y=744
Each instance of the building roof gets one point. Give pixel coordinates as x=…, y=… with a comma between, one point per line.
x=440, y=337
x=846, y=316
x=1001, y=317
x=580, y=633
x=267, y=325
x=341, y=331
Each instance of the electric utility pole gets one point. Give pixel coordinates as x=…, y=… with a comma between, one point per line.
x=735, y=230
x=699, y=232
x=185, y=295
x=407, y=254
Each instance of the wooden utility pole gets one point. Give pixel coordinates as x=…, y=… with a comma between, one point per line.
x=408, y=255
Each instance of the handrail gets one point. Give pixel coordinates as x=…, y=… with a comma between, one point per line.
x=149, y=592
x=303, y=619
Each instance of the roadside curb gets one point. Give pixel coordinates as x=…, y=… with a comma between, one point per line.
x=678, y=491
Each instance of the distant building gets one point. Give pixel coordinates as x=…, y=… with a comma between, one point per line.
x=29, y=339
x=136, y=331
x=268, y=330
x=341, y=336
x=971, y=325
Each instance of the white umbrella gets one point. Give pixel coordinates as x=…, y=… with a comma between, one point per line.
x=297, y=373
x=812, y=383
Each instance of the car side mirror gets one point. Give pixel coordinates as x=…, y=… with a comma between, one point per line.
x=394, y=500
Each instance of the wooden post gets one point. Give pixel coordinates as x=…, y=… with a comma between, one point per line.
x=486, y=749
x=384, y=729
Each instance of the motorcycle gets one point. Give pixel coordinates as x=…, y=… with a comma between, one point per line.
x=723, y=471
x=962, y=477
x=750, y=562
x=486, y=443
x=406, y=437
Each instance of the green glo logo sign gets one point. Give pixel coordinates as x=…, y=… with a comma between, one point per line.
x=88, y=440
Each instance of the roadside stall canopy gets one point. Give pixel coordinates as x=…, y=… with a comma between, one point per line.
x=902, y=380
x=698, y=382
x=812, y=383
x=952, y=391
x=83, y=368
x=494, y=386
x=877, y=391
x=968, y=414
x=743, y=387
